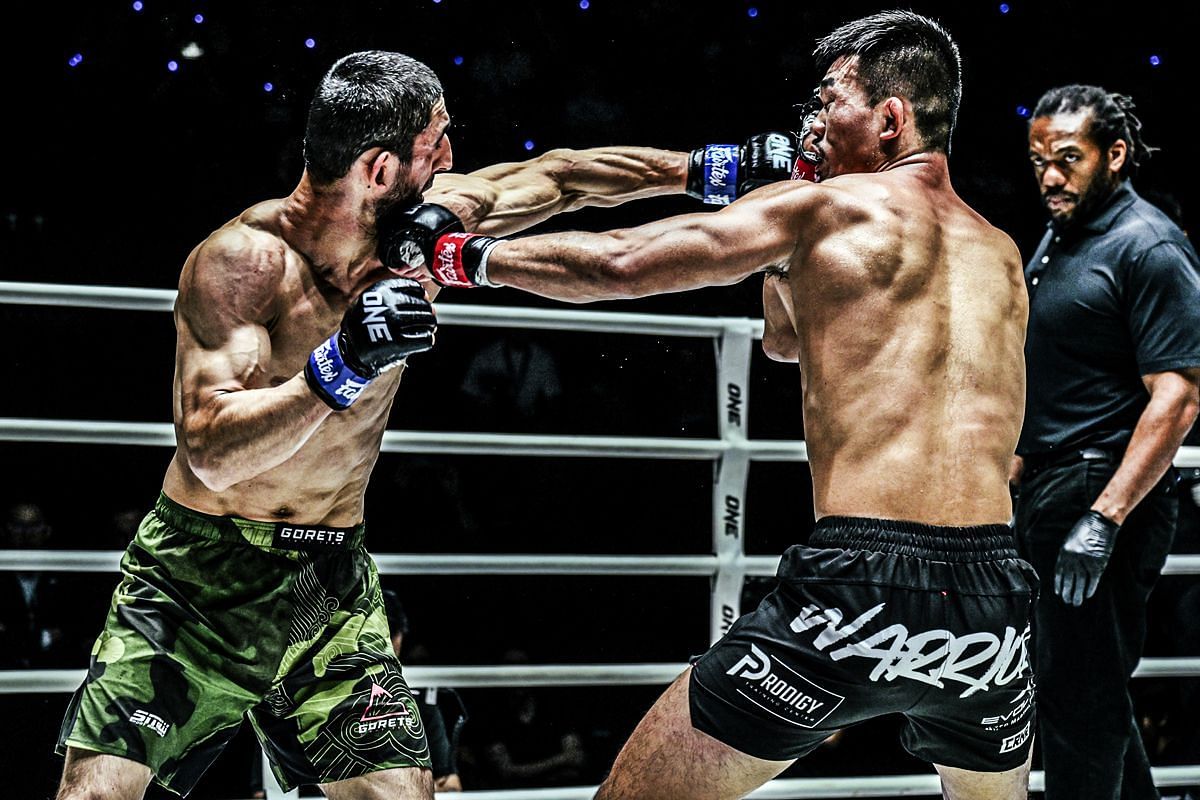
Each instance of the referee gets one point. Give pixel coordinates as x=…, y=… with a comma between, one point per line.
x=1113, y=360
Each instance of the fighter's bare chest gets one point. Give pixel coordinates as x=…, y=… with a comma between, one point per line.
x=293, y=334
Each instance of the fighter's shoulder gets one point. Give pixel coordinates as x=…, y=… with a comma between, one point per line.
x=837, y=199
x=240, y=265
x=983, y=232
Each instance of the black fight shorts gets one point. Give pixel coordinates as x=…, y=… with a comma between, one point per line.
x=877, y=617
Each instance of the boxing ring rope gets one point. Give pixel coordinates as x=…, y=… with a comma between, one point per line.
x=728, y=566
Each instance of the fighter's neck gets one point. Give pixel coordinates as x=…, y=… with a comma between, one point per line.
x=928, y=166
x=934, y=159
x=332, y=229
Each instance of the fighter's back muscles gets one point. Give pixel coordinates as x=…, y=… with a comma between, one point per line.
x=231, y=423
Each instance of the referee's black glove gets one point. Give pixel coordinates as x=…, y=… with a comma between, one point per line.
x=1083, y=557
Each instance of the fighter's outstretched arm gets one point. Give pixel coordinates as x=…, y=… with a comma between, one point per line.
x=506, y=198
x=671, y=255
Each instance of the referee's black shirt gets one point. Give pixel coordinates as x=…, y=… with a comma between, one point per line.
x=1113, y=299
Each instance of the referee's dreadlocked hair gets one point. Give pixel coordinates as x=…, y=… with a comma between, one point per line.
x=1112, y=118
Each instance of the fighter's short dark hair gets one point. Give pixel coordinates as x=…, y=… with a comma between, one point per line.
x=904, y=54
x=367, y=99
x=1111, y=118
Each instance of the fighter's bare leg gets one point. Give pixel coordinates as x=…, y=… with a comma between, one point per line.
x=409, y=783
x=91, y=776
x=666, y=758
x=962, y=784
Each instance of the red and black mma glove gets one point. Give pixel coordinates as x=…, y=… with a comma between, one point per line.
x=387, y=323
x=806, y=159
x=718, y=174
x=431, y=237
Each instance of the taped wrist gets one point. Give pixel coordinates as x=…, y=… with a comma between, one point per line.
x=460, y=260
x=713, y=173
x=328, y=375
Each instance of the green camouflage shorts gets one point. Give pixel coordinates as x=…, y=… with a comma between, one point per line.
x=219, y=618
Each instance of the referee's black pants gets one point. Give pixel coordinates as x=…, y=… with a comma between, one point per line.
x=1084, y=657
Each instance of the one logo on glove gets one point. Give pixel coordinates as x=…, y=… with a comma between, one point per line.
x=377, y=327
x=779, y=150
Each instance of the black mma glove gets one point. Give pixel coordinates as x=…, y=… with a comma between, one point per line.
x=1083, y=557
x=720, y=173
x=383, y=326
x=431, y=237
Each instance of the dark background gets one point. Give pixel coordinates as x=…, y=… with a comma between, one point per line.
x=116, y=167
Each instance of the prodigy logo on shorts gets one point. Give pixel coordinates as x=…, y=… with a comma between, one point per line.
x=786, y=694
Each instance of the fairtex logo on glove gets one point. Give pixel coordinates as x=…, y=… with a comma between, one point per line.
x=448, y=268
x=720, y=173
x=327, y=373
x=323, y=360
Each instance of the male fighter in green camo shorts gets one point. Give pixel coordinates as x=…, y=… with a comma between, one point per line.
x=247, y=591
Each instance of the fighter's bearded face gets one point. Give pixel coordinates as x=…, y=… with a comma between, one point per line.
x=431, y=154
x=845, y=127
x=1073, y=173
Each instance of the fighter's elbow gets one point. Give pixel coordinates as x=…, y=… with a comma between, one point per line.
x=1189, y=409
x=622, y=274
x=785, y=349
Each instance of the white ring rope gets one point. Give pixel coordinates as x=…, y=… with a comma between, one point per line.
x=134, y=299
x=490, y=564
x=508, y=676
x=733, y=444
x=503, y=676
x=79, y=431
